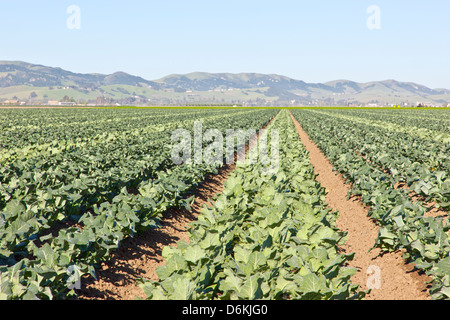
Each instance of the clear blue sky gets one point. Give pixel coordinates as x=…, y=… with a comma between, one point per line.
x=314, y=41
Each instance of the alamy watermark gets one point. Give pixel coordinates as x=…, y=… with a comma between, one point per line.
x=73, y=22
x=213, y=148
x=374, y=277
x=374, y=19
x=74, y=280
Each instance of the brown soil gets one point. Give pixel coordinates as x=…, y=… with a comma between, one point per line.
x=398, y=280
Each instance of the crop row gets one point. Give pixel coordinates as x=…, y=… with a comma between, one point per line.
x=43, y=132
x=403, y=223
x=421, y=163
x=434, y=120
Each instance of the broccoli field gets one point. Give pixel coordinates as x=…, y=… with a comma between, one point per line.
x=77, y=185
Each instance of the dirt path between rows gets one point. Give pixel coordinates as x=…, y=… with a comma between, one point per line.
x=389, y=277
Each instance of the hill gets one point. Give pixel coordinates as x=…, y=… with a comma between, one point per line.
x=26, y=81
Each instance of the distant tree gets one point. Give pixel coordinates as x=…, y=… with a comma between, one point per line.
x=67, y=99
x=33, y=95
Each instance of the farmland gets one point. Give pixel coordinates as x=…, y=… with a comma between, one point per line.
x=397, y=164
x=75, y=184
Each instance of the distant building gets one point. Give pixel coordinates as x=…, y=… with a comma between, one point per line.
x=67, y=104
x=11, y=102
x=53, y=103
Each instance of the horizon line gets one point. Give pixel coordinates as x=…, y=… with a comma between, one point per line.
x=217, y=73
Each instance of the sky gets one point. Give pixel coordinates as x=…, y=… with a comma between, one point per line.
x=314, y=41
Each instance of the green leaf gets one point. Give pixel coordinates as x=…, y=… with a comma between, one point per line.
x=194, y=254
x=183, y=289
x=251, y=288
x=312, y=283
x=446, y=291
x=231, y=282
x=444, y=266
x=241, y=255
x=432, y=251
x=211, y=240
x=176, y=263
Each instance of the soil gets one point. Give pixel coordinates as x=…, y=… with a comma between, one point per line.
x=397, y=279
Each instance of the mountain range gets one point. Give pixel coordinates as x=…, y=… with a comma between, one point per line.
x=38, y=83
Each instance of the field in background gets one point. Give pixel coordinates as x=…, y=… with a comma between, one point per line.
x=76, y=182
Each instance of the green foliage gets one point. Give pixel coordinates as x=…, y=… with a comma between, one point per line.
x=376, y=156
x=266, y=237
x=68, y=201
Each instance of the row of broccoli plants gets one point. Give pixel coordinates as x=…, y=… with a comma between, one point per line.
x=31, y=133
x=53, y=264
x=422, y=125
x=435, y=121
x=422, y=164
x=268, y=235
x=403, y=224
